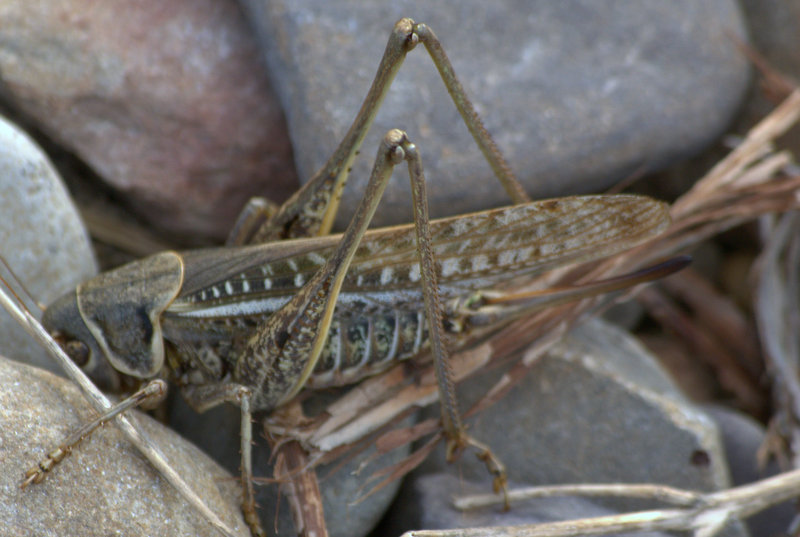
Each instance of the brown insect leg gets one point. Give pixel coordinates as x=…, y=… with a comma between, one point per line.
x=154, y=390
x=455, y=433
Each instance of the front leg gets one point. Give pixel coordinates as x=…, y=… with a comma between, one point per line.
x=155, y=390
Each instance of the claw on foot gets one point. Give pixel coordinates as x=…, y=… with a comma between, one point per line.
x=253, y=521
x=38, y=472
x=457, y=443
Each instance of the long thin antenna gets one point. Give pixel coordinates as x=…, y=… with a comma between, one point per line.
x=134, y=434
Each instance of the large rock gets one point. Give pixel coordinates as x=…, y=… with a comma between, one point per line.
x=579, y=94
x=743, y=438
x=168, y=103
x=774, y=34
x=41, y=238
x=105, y=487
x=596, y=409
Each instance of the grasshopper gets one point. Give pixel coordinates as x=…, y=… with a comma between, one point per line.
x=286, y=306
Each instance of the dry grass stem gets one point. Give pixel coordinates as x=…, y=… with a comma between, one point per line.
x=661, y=493
x=720, y=315
x=704, y=515
x=100, y=403
x=777, y=306
x=301, y=487
x=731, y=374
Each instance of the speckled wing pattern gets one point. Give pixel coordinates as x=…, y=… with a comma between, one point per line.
x=474, y=251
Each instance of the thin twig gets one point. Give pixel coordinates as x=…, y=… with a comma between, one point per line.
x=776, y=309
x=100, y=403
x=645, y=491
x=706, y=517
x=720, y=315
x=732, y=376
x=301, y=488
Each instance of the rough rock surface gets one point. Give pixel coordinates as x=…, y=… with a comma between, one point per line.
x=596, y=409
x=42, y=238
x=743, y=437
x=105, y=487
x=169, y=103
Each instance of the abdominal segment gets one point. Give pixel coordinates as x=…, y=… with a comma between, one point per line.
x=360, y=346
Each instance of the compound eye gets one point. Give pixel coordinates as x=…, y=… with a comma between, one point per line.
x=77, y=350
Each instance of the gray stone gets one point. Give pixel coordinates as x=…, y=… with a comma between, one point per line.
x=41, y=237
x=596, y=409
x=743, y=437
x=170, y=105
x=774, y=31
x=341, y=484
x=105, y=487
x=578, y=94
